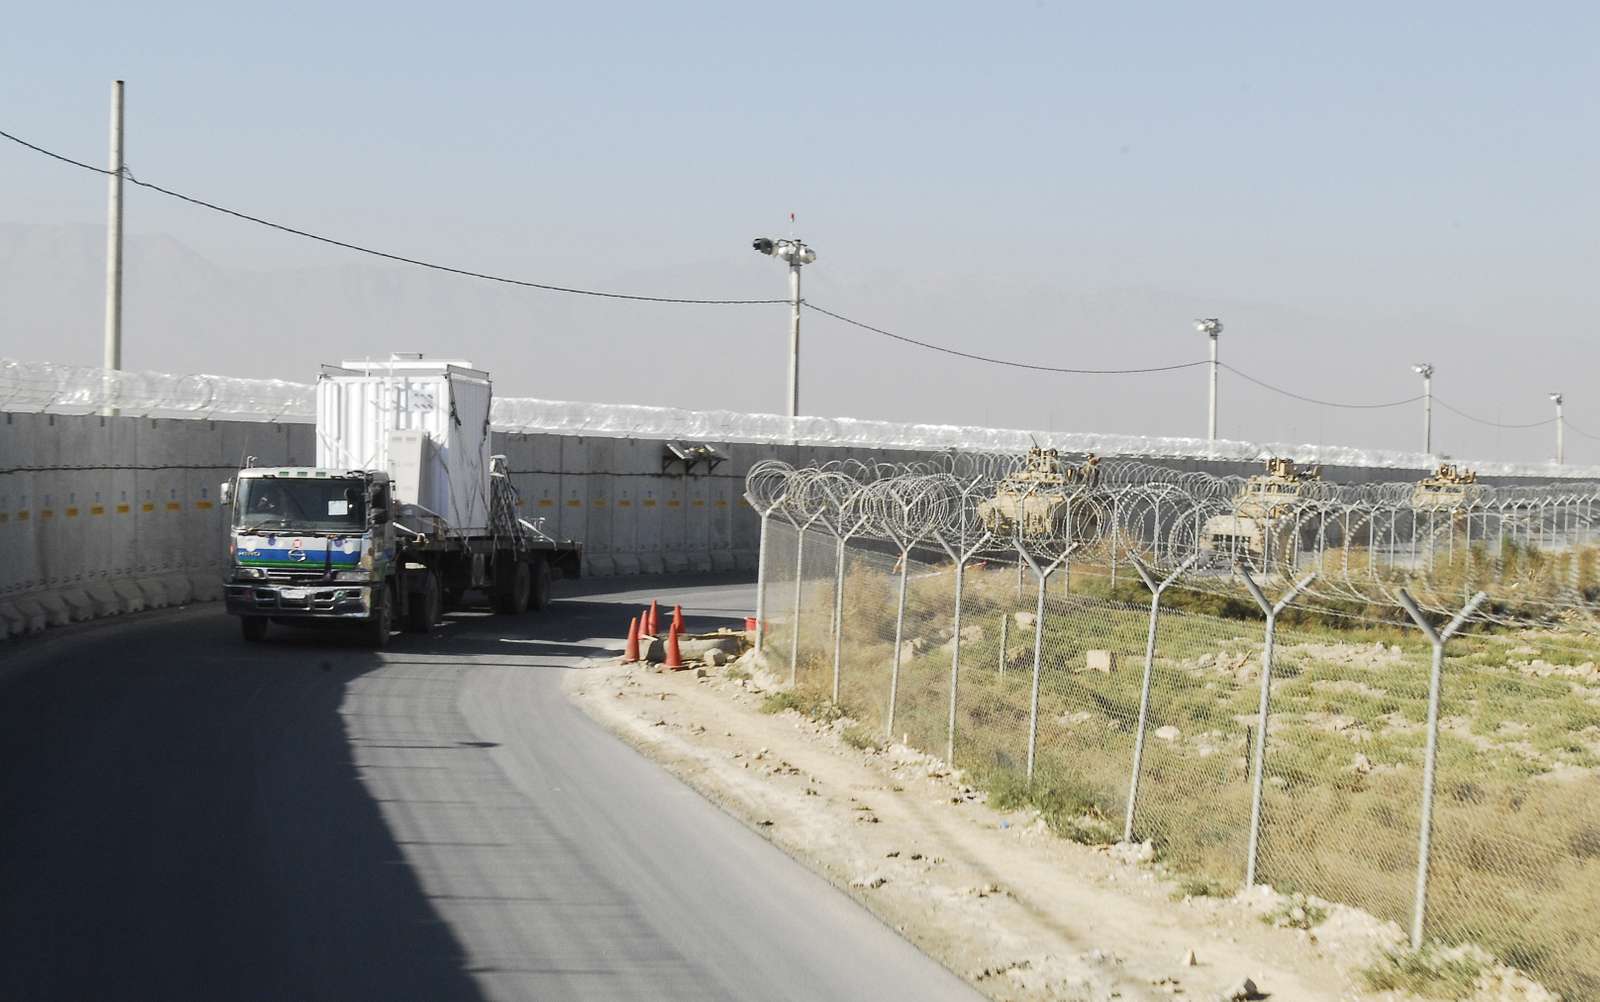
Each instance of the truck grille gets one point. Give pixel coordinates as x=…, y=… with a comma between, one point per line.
x=294, y=577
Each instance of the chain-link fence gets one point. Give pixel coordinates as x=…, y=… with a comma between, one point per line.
x=1463, y=810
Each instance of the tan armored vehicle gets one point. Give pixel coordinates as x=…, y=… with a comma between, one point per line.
x=1263, y=508
x=1034, y=502
x=1449, y=487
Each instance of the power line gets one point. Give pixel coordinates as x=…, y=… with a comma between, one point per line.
x=202, y=203
x=1492, y=424
x=997, y=361
x=1573, y=427
x=1313, y=400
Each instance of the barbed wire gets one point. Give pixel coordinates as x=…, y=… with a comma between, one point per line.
x=1532, y=549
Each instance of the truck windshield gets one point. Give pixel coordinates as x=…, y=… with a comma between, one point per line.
x=308, y=505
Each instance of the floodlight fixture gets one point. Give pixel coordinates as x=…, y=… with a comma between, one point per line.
x=794, y=253
x=1209, y=326
x=1423, y=369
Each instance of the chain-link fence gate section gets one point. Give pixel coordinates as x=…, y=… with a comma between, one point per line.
x=1239, y=671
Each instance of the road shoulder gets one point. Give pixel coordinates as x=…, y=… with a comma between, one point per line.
x=994, y=896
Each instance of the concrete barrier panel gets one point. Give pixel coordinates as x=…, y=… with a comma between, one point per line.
x=597, y=543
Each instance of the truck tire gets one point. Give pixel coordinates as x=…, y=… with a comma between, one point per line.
x=377, y=627
x=423, y=611
x=514, y=587
x=253, y=628
x=540, y=596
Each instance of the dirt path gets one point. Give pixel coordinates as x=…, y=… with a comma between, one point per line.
x=1017, y=911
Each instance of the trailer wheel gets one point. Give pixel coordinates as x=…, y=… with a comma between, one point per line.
x=423, y=612
x=377, y=626
x=540, y=596
x=514, y=588
x=253, y=628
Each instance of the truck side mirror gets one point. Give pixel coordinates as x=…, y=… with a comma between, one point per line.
x=225, y=492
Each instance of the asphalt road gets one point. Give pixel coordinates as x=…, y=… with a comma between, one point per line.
x=185, y=816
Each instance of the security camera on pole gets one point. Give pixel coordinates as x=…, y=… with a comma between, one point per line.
x=797, y=254
x=1425, y=370
x=1211, y=327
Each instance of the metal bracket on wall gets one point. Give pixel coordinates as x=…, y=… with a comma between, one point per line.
x=688, y=454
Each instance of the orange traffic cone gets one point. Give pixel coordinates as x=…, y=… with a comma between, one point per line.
x=674, y=658
x=655, y=618
x=632, y=652
x=645, y=629
x=677, y=618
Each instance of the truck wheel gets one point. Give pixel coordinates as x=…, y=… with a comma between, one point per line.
x=378, y=625
x=253, y=628
x=512, y=597
x=424, y=608
x=541, y=583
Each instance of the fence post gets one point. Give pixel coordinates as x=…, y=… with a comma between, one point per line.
x=1258, y=766
x=1149, y=668
x=1438, y=638
x=960, y=557
x=899, y=633
x=838, y=618
x=1043, y=574
x=1005, y=630
x=761, y=584
x=799, y=584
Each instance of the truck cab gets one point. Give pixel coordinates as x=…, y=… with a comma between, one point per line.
x=308, y=543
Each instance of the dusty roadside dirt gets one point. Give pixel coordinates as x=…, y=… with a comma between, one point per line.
x=996, y=897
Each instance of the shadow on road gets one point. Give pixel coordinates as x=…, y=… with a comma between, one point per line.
x=183, y=815
x=181, y=818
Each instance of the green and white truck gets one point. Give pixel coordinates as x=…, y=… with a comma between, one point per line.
x=405, y=514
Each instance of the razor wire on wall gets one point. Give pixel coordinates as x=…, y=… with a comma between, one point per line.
x=1090, y=637
x=46, y=387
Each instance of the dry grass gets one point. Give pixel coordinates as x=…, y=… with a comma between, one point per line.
x=1517, y=830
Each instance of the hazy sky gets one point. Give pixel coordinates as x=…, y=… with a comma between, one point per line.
x=1352, y=189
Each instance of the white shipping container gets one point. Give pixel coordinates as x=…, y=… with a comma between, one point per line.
x=360, y=403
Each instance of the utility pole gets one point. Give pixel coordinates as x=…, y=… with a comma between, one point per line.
x=1425, y=370
x=794, y=338
x=113, y=345
x=1211, y=327
x=797, y=254
x=1560, y=427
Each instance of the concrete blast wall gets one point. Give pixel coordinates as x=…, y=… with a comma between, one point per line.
x=105, y=515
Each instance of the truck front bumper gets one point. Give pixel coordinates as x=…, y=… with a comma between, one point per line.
x=262, y=598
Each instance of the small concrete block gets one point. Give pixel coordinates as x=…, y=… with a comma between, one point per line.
x=700, y=563
x=179, y=591
x=105, y=600
x=599, y=565
x=652, y=563
x=34, y=617
x=1104, y=661
x=205, y=587
x=676, y=563
x=128, y=595
x=625, y=564
x=12, y=619
x=155, y=596
x=57, y=612
x=80, y=608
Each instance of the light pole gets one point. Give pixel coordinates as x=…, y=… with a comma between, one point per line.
x=1211, y=327
x=1425, y=370
x=797, y=254
x=113, y=341
x=1555, y=398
